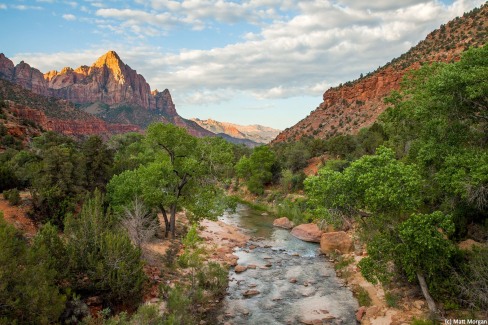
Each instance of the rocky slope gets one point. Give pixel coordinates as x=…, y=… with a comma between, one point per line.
x=348, y=108
x=256, y=133
x=25, y=114
x=120, y=94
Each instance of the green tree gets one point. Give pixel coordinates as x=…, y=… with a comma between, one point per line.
x=98, y=161
x=103, y=254
x=28, y=294
x=419, y=246
x=374, y=185
x=257, y=169
x=186, y=172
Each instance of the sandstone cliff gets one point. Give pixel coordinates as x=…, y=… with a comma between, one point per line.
x=110, y=84
x=51, y=114
x=348, y=108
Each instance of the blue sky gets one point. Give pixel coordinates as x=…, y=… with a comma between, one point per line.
x=248, y=62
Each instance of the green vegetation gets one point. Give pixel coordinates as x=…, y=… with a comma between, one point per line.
x=28, y=292
x=12, y=196
x=414, y=195
x=184, y=172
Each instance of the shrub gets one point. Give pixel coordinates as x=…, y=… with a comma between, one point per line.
x=98, y=251
x=12, y=196
x=28, y=294
x=391, y=299
x=213, y=277
x=362, y=296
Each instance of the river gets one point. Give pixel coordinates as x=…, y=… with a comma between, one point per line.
x=292, y=283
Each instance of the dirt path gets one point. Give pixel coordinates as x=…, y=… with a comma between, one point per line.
x=17, y=215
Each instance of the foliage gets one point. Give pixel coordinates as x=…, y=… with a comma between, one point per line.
x=57, y=179
x=376, y=184
x=102, y=253
x=12, y=196
x=362, y=296
x=98, y=161
x=185, y=173
x=28, y=293
x=472, y=280
x=391, y=299
x=293, y=210
x=256, y=169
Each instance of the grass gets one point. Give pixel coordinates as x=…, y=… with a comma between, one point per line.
x=391, y=299
x=362, y=296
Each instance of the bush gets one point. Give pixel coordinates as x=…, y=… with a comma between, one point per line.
x=213, y=277
x=362, y=296
x=12, y=196
x=28, y=294
x=98, y=251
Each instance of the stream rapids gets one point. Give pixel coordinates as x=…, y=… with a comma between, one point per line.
x=287, y=281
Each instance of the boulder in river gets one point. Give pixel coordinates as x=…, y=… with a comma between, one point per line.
x=307, y=232
x=251, y=292
x=240, y=268
x=331, y=242
x=283, y=223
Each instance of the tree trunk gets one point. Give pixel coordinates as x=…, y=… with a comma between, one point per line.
x=428, y=297
x=166, y=222
x=172, y=221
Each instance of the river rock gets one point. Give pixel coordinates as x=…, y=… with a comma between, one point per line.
x=240, y=268
x=372, y=312
x=307, y=232
x=251, y=292
x=283, y=223
x=360, y=313
x=331, y=242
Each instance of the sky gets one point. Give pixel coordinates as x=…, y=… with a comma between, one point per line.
x=262, y=62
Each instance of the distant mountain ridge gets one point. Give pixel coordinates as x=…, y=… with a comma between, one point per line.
x=348, y=108
x=120, y=94
x=256, y=133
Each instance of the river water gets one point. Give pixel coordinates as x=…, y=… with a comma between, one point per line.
x=292, y=283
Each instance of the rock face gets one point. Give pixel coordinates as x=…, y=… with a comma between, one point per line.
x=107, y=81
x=283, y=223
x=331, y=242
x=348, y=108
x=255, y=133
x=307, y=232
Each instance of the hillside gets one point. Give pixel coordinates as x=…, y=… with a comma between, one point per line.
x=255, y=133
x=26, y=114
x=354, y=105
x=108, y=89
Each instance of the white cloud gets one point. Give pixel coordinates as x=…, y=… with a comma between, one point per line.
x=24, y=7
x=69, y=17
x=3, y=6
x=303, y=51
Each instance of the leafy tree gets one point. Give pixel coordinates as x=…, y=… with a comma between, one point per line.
x=57, y=182
x=419, y=246
x=130, y=152
x=186, y=172
x=257, y=169
x=376, y=185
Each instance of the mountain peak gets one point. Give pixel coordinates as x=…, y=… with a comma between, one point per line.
x=110, y=59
